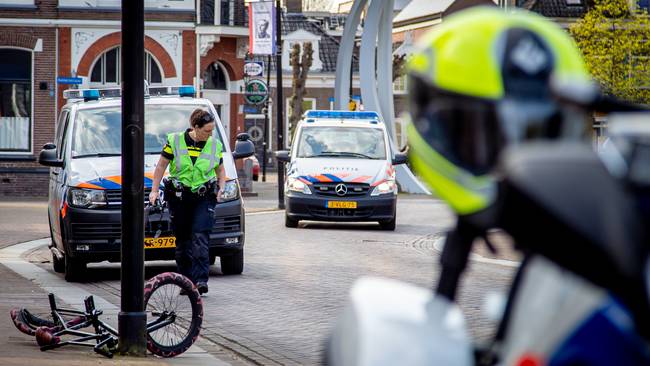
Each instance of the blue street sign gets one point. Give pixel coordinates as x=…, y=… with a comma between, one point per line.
x=68, y=80
x=251, y=109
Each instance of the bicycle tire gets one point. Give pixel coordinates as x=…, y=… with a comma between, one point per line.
x=179, y=290
x=28, y=323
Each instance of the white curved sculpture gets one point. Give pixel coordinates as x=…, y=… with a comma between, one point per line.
x=376, y=73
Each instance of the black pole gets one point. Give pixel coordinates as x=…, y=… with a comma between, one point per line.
x=132, y=319
x=266, y=119
x=351, y=73
x=279, y=99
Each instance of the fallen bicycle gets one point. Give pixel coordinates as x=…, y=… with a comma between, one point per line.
x=174, y=312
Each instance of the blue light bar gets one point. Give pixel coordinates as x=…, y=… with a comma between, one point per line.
x=186, y=91
x=342, y=114
x=90, y=94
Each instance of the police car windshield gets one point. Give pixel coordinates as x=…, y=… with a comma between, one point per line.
x=98, y=131
x=344, y=142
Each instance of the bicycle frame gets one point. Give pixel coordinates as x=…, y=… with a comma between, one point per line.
x=104, y=334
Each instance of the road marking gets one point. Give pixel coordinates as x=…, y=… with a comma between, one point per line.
x=439, y=244
x=73, y=295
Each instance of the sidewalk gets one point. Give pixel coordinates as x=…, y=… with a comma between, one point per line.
x=23, y=220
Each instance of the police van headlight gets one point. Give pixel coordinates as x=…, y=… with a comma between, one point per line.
x=86, y=198
x=230, y=191
x=386, y=187
x=296, y=185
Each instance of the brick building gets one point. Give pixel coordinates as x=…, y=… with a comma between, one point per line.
x=222, y=38
x=41, y=40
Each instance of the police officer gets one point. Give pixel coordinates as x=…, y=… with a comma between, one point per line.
x=194, y=186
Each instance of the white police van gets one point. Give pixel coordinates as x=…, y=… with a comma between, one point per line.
x=341, y=168
x=85, y=179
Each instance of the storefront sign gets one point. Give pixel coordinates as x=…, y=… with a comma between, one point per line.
x=254, y=68
x=68, y=80
x=256, y=92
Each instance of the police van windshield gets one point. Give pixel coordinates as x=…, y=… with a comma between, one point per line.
x=98, y=131
x=344, y=142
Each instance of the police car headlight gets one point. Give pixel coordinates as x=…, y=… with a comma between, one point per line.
x=386, y=187
x=86, y=198
x=230, y=191
x=296, y=185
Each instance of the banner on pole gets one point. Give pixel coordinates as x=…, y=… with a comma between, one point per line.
x=261, y=28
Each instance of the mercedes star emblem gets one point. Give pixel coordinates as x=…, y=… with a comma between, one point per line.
x=341, y=189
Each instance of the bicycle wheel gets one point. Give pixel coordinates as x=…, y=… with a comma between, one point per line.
x=172, y=296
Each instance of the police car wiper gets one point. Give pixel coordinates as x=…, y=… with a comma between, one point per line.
x=96, y=155
x=341, y=153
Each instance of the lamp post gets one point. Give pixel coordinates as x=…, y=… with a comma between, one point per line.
x=132, y=319
x=279, y=99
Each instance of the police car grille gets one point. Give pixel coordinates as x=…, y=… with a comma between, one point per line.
x=114, y=197
x=89, y=231
x=227, y=224
x=340, y=212
x=329, y=189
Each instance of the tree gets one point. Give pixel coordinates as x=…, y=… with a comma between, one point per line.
x=300, y=68
x=613, y=38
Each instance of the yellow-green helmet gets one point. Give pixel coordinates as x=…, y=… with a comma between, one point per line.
x=482, y=80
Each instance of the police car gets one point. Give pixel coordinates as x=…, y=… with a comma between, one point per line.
x=341, y=168
x=85, y=181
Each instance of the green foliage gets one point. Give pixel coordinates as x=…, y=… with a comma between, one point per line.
x=614, y=39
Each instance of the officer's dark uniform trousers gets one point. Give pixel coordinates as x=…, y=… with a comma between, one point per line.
x=192, y=220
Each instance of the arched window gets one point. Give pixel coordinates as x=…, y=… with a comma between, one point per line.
x=215, y=77
x=106, y=70
x=15, y=100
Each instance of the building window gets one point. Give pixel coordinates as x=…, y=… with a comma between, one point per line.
x=106, y=70
x=399, y=85
x=215, y=77
x=644, y=5
x=227, y=12
x=15, y=100
x=574, y=2
x=17, y=3
x=307, y=104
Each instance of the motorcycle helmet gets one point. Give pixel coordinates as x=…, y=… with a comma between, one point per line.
x=479, y=81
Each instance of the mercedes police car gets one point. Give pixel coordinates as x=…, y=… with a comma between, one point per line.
x=340, y=168
x=85, y=181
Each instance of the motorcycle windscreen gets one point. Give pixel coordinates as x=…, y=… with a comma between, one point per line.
x=387, y=322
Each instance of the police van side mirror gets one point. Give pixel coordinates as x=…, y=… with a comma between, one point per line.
x=48, y=156
x=400, y=159
x=244, y=147
x=283, y=156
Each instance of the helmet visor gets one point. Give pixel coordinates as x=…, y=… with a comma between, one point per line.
x=464, y=131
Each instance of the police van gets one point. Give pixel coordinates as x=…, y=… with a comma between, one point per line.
x=341, y=168
x=85, y=180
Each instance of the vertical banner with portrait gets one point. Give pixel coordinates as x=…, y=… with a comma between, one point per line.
x=261, y=28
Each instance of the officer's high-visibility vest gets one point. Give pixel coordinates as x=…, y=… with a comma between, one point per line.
x=202, y=171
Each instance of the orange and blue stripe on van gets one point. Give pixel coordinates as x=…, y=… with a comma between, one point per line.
x=112, y=182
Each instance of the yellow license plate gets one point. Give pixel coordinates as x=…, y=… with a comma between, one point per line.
x=341, y=204
x=162, y=242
